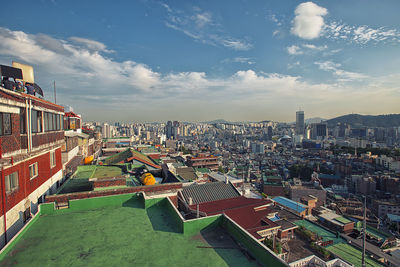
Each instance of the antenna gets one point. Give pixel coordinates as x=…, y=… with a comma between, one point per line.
x=55, y=95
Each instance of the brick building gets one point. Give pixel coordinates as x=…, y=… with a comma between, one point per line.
x=31, y=136
x=203, y=161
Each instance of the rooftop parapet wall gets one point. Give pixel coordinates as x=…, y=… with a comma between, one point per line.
x=188, y=228
x=18, y=99
x=92, y=194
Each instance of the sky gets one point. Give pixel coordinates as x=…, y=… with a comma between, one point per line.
x=145, y=61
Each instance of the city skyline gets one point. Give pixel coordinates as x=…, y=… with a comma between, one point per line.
x=241, y=61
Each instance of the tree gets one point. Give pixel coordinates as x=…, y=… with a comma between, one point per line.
x=221, y=169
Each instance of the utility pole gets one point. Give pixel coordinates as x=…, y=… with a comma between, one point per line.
x=364, y=232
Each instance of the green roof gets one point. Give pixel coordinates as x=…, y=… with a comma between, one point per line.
x=203, y=170
x=325, y=234
x=118, y=230
x=352, y=255
x=106, y=171
x=343, y=220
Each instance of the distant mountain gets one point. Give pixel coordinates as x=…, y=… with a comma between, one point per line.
x=314, y=120
x=390, y=120
x=217, y=121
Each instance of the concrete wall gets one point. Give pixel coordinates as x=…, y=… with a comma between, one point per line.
x=258, y=250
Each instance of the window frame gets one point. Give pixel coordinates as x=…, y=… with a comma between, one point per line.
x=53, y=161
x=11, y=182
x=2, y=128
x=22, y=121
x=36, y=170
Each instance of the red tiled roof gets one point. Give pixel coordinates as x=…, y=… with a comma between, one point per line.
x=249, y=213
x=141, y=159
x=154, y=156
x=220, y=206
x=71, y=114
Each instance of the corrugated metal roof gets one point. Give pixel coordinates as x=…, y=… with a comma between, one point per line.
x=209, y=192
x=293, y=205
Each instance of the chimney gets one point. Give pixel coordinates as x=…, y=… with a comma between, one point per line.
x=226, y=179
x=190, y=201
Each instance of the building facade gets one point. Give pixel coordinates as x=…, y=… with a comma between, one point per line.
x=300, y=122
x=31, y=136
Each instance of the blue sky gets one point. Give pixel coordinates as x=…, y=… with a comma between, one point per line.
x=138, y=61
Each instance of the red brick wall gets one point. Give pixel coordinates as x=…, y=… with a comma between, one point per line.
x=11, y=97
x=10, y=143
x=272, y=190
x=47, y=104
x=283, y=234
x=90, y=194
x=109, y=182
x=347, y=228
x=25, y=185
x=45, y=138
x=174, y=200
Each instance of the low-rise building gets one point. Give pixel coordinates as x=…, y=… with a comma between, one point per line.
x=31, y=136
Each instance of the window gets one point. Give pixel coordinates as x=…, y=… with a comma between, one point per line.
x=5, y=123
x=11, y=181
x=51, y=122
x=52, y=158
x=46, y=121
x=22, y=121
x=33, y=170
x=36, y=121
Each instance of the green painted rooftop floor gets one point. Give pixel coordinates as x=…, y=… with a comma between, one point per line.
x=124, y=235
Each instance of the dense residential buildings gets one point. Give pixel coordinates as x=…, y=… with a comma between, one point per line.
x=271, y=181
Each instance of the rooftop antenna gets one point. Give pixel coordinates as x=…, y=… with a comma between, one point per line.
x=55, y=94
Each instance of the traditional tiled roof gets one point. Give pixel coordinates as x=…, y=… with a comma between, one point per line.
x=223, y=205
x=129, y=155
x=209, y=192
x=186, y=173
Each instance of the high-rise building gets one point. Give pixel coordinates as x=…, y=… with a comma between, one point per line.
x=168, y=130
x=300, y=122
x=319, y=130
x=106, y=131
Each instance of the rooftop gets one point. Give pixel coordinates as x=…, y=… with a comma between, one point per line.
x=223, y=205
x=118, y=229
x=351, y=254
x=293, y=205
x=209, y=192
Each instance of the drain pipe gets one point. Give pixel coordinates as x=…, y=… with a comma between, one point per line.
x=30, y=124
x=3, y=194
x=27, y=125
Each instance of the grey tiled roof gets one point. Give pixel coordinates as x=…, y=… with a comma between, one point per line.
x=186, y=173
x=209, y=192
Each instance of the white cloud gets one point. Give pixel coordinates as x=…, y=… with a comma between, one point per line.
x=236, y=44
x=308, y=21
x=294, y=50
x=90, y=44
x=314, y=47
x=341, y=74
x=203, y=19
x=200, y=26
x=244, y=60
x=293, y=65
x=360, y=34
x=102, y=88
